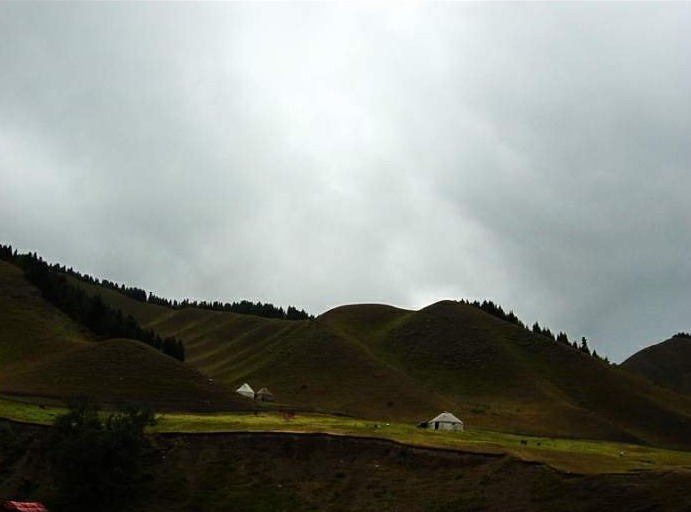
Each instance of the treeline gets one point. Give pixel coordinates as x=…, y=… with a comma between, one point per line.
x=244, y=307
x=682, y=335
x=90, y=311
x=496, y=310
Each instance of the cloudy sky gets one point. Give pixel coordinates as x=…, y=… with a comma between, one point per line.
x=320, y=154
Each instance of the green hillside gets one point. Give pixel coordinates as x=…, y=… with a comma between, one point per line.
x=46, y=354
x=122, y=371
x=307, y=364
x=369, y=361
x=385, y=363
x=667, y=364
x=31, y=329
x=505, y=377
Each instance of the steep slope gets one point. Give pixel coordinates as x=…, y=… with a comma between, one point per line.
x=45, y=354
x=31, y=329
x=667, y=364
x=382, y=362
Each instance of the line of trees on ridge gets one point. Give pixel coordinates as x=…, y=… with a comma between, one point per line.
x=243, y=307
x=89, y=310
x=496, y=310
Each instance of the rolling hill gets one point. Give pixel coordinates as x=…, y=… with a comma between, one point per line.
x=380, y=362
x=32, y=329
x=371, y=361
x=307, y=364
x=43, y=353
x=667, y=364
x=508, y=378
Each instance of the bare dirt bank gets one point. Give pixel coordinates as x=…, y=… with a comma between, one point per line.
x=249, y=471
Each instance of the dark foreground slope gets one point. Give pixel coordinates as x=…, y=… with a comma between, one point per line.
x=382, y=362
x=667, y=364
x=298, y=473
x=43, y=353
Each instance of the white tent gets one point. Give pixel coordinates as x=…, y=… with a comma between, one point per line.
x=264, y=395
x=445, y=421
x=246, y=390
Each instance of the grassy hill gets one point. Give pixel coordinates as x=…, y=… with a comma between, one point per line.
x=370, y=361
x=667, y=364
x=505, y=377
x=122, y=371
x=31, y=329
x=44, y=353
x=381, y=362
x=307, y=364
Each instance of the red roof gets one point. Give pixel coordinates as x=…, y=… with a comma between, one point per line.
x=24, y=506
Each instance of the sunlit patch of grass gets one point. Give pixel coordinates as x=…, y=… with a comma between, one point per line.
x=571, y=455
x=27, y=412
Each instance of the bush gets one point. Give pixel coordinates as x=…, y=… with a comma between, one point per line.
x=98, y=458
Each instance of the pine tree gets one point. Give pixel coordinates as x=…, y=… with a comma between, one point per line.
x=584, y=346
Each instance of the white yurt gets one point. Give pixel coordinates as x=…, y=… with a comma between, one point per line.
x=246, y=390
x=445, y=421
x=264, y=395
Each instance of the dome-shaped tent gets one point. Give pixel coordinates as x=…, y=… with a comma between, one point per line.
x=265, y=395
x=445, y=421
x=246, y=390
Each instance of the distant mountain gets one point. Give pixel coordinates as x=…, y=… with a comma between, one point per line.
x=667, y=364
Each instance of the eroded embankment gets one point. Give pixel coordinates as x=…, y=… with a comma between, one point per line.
x=249, y=471
x=282, y=471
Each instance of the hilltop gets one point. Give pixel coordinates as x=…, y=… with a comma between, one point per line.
x=667, y=363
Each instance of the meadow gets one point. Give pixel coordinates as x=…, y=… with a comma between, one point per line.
x=580, y=456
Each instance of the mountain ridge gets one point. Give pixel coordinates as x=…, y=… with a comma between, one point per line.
x=408, y=365
x=380, y=362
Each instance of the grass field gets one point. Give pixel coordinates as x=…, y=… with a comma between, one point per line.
x=569, y=455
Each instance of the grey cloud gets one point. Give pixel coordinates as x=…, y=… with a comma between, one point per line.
x=319, y=154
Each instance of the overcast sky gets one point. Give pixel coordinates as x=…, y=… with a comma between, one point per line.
x=322, y=154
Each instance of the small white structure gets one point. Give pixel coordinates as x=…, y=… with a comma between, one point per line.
x=445, y=421
x=246, y=391
x=264, y=395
